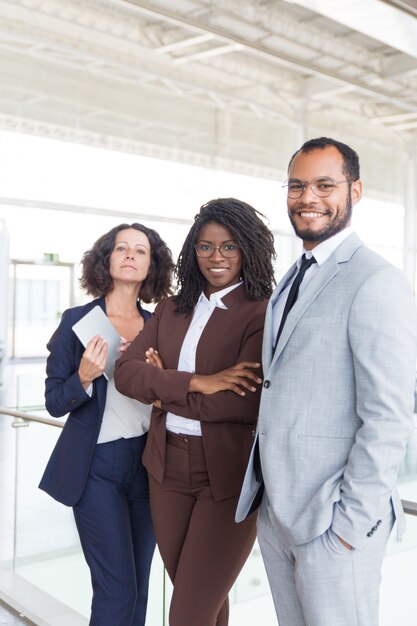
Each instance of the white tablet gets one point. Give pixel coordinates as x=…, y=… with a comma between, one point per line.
x=96, y=322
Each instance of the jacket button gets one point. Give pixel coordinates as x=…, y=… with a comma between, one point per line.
x=267, y=384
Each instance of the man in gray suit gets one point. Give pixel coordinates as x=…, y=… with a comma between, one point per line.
x=336, y=412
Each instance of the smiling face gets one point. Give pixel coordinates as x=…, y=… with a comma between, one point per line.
x=218, y=271
x=131, y=257
x=315, y=219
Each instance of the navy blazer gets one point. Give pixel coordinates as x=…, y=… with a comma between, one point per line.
x=67, y=470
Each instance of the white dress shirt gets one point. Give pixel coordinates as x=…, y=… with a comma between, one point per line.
x=186, y=363
x=321, y=253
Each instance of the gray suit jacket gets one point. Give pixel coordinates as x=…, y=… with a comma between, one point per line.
x=336, y=416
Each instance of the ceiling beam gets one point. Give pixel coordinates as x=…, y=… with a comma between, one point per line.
x=399, y=65
x=185, y=43
x=206, y=54
x=265, y=53
x=409, y=6
x=383, y=21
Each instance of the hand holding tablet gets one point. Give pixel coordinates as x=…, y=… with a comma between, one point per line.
x=96, y=322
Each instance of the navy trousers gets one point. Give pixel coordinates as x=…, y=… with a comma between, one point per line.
x=114, y=523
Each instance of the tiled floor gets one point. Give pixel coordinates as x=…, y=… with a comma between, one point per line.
x=11, y=618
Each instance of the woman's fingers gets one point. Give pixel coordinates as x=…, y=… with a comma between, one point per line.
x=152, y=357
x=241, y=382
x=242, y=369
x=94, y=347
x=238, y=379
x=94, y=359
x=124, y=345
x=236, y=389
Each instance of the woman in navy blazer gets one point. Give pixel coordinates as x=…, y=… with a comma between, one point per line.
x=96, y=465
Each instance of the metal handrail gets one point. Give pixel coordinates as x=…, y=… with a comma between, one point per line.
x=29, y=418
x=410, y=507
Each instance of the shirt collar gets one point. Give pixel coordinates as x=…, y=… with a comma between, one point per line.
x=326, y=248
x=216, y=297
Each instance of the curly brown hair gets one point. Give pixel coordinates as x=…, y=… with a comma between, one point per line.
x=96, y=279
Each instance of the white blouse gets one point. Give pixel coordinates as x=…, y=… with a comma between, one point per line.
x=186, y=363
x=123, y=417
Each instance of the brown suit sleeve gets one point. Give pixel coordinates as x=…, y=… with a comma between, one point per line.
x=226, y=406
x=165, y=332
x=137, y=379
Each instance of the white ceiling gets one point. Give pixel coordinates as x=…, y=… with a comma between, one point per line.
x=236, y=84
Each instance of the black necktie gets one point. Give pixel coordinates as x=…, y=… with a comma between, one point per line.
x=292, y=297
x=293, y=293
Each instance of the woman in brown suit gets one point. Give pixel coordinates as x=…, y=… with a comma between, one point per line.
x=197, y=360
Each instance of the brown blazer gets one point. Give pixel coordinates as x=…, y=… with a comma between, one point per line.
x=228, y=421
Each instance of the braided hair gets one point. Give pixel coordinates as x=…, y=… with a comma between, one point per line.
x=256, y=243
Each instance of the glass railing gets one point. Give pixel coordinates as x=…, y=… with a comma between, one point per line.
x=399, y=573
x=51, y=581
x=45, y=551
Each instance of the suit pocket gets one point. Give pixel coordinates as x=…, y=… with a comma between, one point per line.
x=334, y=544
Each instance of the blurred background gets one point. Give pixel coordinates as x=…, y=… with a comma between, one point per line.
x=120, y=110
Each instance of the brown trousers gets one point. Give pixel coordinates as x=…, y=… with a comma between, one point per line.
x=202, y=547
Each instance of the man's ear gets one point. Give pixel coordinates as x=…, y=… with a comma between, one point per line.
x=356, y=191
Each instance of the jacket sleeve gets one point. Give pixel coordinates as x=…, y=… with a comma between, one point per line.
x=63, y=389
x=226, y=406
x=382, y=333
x=137, y=379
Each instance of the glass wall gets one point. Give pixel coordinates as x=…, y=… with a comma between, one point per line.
x=40, y=293
x=381, y=226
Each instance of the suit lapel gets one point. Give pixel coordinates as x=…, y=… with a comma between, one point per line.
x=312, y=290
x=218, y=321
x=269, y=340
x=181, y=322
x=322, y=277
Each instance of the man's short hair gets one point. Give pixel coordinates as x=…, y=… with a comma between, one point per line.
x=350, y=157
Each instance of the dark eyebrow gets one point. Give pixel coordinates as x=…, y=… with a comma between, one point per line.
x=315, y=178
x=210, y=242
x=136, y=244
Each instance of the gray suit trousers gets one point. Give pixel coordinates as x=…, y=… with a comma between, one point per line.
x=322, y=583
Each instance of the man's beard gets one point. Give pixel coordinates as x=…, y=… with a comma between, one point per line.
x=316, y=236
